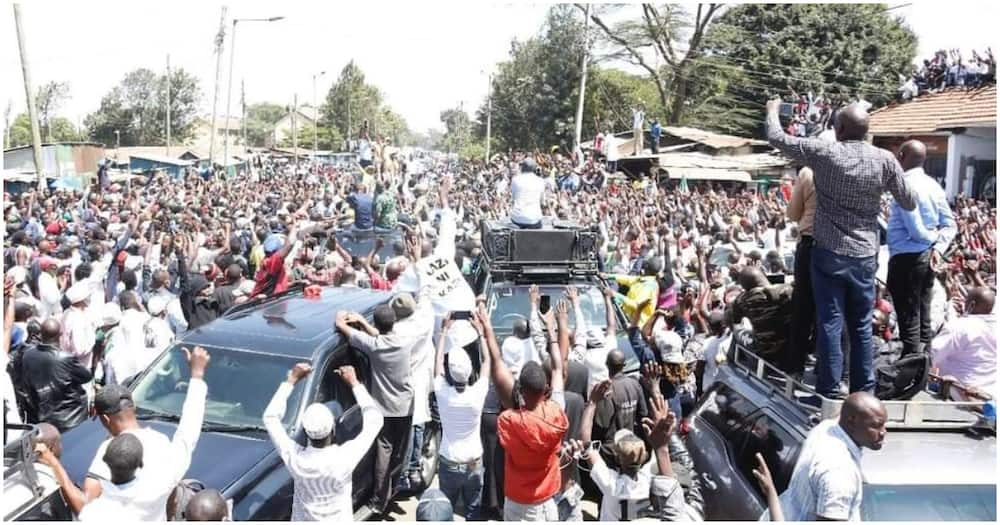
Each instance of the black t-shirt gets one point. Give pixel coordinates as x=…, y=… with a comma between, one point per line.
x=577, y=378
x=623, y=410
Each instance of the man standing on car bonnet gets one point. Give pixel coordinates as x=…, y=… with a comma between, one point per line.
x=826, y=484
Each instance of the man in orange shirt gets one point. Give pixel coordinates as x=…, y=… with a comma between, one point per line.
x=531, y=434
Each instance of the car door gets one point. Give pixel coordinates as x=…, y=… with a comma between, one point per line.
x=339, y=398
x=778, y=442
x=718, y=431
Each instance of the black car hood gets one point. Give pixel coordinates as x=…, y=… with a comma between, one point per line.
x=218, y=460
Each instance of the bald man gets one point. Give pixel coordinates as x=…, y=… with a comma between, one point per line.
x=850, y=176
x=915, y=237
x=769, y=308
x=827, y=482
x=966, y=349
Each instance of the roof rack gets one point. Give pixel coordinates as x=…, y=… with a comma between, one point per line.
x=923, y=414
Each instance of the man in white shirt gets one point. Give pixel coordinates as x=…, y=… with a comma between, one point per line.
x=528, y=192
x=79, y=328
x=137, y=469
x=322, y=470
x=460, y=406
x=49, y=291
x=827, y=481
x=638, y=117
x=133, y=328
x=157, y=334
x=415, y=326
x=966, y=349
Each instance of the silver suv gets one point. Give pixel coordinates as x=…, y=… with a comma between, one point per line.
x=938, y=462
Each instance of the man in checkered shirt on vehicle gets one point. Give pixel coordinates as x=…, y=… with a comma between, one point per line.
x=850, y=177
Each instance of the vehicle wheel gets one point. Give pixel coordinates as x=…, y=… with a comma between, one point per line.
x=429, y=453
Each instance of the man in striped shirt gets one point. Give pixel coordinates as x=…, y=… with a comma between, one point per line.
x=322, y=470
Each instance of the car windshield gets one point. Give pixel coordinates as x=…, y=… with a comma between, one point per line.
x=929, y=503
x=510, y=302
x=240, y=385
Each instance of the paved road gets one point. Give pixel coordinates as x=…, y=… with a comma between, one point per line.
x=408, y=505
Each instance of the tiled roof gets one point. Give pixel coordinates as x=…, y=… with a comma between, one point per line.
x=957, y=107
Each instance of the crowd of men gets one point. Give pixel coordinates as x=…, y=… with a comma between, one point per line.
x=950, y=69
x=98, y=283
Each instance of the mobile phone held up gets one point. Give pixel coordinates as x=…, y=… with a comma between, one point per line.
x=786, y=109
x=461, y=316
x=544, y=304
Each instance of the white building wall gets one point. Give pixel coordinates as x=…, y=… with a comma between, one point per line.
x=975, y=143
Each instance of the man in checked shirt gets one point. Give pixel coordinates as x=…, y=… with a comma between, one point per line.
x=850, y=176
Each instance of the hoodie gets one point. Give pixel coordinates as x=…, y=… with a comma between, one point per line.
x=532, y=443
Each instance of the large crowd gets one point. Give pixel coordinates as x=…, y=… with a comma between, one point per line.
x=98, y=283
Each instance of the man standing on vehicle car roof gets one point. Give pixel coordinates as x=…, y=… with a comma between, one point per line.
x=827, y=481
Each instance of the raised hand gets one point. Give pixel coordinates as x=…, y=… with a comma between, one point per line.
x=348, y=374
x=661, y=422
x=197, y=361
x=601, y=390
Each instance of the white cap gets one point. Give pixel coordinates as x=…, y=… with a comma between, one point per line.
x=77, y=293
x=317, y=421
x=668, y=344
x=111, y=314
x=459, y=366
x=157, y=304
x=516, y=352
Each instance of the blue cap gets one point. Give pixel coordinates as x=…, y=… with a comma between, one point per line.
x=273, y=243
x=990, y=411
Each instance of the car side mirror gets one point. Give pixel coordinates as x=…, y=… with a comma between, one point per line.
x=348, y=424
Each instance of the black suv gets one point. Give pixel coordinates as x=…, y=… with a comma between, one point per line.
x=252, y=347
x=938, y=461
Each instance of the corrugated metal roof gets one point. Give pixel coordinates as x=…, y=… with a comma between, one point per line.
x=952, y=108
x=750, y=162
x=710, y=139
x=709, y=174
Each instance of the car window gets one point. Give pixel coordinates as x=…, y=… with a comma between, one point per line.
x=233, y=397
x=509, y=302
x=929, y=503
x=729, y=413
x=780, y=450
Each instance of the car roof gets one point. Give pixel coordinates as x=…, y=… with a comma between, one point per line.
x=290, y=324
x=932, y=458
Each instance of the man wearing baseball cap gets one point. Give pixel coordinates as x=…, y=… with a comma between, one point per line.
x=271, y=276
x=322, y=470
x=460, y=406
x=134, y=472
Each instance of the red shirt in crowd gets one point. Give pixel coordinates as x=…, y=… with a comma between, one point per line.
x=271, y=276
x=532, y=443
x=378, y=282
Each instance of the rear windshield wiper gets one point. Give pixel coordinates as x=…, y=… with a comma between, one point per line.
x=147, y=413
x=227, y=428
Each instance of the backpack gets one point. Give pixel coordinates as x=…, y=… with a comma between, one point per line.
x=903, y=378
x=179, y=498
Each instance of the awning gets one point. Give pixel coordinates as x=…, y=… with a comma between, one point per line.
x=708, y=174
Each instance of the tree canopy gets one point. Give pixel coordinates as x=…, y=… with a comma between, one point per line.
x=137, y=108
x=350, y=102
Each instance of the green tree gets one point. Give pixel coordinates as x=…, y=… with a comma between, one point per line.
x=137, y=106
x=260, y=120
x=534, y=92
x=61, y=130
x=458, y=129
x=50, y=96
x=672, y=34
x=351, y=102
x=611, y=94
x=840, y=50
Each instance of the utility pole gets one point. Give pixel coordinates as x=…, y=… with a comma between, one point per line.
x=489, y=116
x=36, y=135
x=229, y=83
x=316, y=119
x=348, y=120
x=168, y=105
x=220, y=37
x=243, y=118
x=295, y=131
x=583, y=78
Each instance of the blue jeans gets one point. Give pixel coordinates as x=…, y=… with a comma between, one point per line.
x=415, y=450
x=844, y=290
x=461, y=482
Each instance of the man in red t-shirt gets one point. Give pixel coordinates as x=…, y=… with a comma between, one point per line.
x=272, y=277
x=531, y=435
